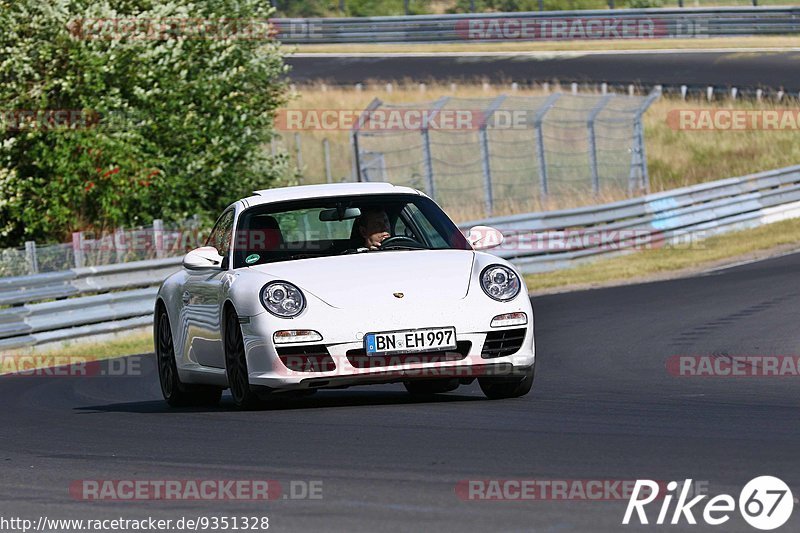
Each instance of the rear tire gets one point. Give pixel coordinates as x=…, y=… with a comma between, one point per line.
x=505, y=387
x=175, y=392
x=431, y=386
x=236, y=365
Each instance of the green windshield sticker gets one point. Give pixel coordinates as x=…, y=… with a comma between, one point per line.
x=252, y=258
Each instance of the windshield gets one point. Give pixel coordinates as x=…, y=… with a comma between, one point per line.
x=322, y=227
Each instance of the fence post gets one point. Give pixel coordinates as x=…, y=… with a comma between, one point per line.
x=483, y=135
x=158, y=237
x=538, y=119
x=356, y=156
x=354, y=136
x=638, y=154
x=77, y=248
x=31, y=257
x=298, y=150
x=326, y=150
x=427, y=162
x=487, y=173
x=430, y=188
x=636, y=160
x=120, y=246
x=592, y=141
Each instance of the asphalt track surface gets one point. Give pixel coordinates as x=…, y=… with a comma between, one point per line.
x=603, y=407
x=744, y=70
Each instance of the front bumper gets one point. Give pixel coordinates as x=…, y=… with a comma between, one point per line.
x=351, y=367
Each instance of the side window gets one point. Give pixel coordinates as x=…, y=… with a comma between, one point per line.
x=402, y=229
x=435, y=240
x=220, y=237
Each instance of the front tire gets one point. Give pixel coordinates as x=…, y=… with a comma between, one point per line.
x=175, y=392
x=502, y=388
x=236, y=364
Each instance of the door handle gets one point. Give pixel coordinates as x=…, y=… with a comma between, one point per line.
x=186, y=297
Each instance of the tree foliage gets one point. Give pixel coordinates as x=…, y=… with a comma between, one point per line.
x=163, y=125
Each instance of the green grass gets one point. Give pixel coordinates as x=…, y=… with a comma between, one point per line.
x=649, y=264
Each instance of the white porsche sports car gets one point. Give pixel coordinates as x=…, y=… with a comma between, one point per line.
x=329, y=286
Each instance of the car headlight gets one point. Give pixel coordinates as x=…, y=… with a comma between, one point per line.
x=500, y=282
x=282, y=299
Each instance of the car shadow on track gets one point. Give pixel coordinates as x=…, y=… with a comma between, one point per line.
x=322, y=400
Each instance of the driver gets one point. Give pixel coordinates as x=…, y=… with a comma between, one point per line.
x=373, y=226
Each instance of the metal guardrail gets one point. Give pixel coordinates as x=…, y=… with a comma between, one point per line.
x=665, y=218
x=659, y=23
x=82, y=301
x=112, y=298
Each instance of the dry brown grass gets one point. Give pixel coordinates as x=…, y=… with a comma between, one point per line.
x=675, y=158
x=717, y=43
x=662, y=263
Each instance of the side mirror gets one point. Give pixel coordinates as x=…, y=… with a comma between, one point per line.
x=485, y=237
x=203, y=258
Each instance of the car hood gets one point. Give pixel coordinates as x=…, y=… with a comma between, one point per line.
x=371, y=278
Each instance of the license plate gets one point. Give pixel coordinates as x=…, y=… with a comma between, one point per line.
x=410, y=341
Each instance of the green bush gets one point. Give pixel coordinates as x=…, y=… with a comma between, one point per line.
x=307, y=8
x=197, y=112
x=645, y=3
x=511, y=6
x=352, y=8
x=371, y=8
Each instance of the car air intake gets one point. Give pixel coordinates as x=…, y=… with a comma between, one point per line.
x=359, y=359
x=306, y=358
x=502, y=343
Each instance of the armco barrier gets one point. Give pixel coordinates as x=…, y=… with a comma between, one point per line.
x=88, y=301
x=705, y=209
x=82, y=301
x=547, y=25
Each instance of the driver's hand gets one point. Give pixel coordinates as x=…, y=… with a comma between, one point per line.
x=376, y=240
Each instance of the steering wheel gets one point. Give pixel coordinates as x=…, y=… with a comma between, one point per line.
x=400, y=240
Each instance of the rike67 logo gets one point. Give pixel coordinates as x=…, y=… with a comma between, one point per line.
x=765, y=503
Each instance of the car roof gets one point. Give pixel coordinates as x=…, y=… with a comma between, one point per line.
x=301, y=192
